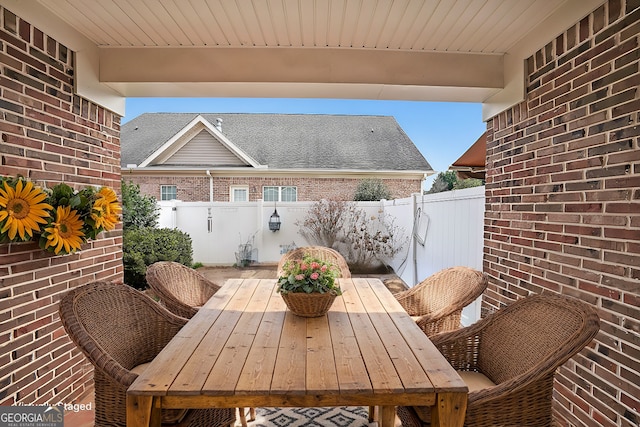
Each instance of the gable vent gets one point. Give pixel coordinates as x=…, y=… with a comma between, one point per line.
x=204, y=149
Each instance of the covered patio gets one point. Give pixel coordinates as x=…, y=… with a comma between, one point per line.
x=559, y=86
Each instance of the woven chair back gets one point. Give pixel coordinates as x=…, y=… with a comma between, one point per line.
x=115, y=319
x=534, y=329
x=180, y=288
x=458, y=286
x=321, y=252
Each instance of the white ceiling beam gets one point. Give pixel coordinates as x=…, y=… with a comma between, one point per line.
x=300, y=65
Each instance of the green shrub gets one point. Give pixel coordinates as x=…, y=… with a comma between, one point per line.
x=144, y=246
x=138, y=210
x=371, y=190
x=468, y=183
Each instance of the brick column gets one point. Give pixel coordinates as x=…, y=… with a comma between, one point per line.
x=563, y=204
x=48, y=135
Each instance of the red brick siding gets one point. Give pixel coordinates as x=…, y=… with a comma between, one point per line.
x=195, y=189
x=563, y=204
x=49, y=135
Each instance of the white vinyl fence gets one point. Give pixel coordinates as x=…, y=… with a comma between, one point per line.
x=442, y=230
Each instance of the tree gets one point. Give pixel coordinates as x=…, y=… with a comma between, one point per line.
x=370, y=190
x=443, y=182
x=138, y=211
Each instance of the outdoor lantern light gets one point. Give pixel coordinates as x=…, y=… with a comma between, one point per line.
x=274, y=221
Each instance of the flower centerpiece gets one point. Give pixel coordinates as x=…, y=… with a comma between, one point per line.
x=60, y=218
x=308, y=286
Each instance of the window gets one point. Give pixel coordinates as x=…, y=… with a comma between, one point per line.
x=168, y=192
x=280, y=194
x=239, y=194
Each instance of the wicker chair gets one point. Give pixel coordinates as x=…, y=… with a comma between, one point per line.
x=509, y=358
x=119, y=329
x=183, y=291
x=320, y=252
x=180, y=288
x=436, y=303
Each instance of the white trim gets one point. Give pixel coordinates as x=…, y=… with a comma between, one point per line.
x=168, y=185
x=232, y=189
x=297, y=173
x=279, y=188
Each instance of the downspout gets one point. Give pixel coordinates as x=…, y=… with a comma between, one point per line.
x=210, y=185
x=413, y=237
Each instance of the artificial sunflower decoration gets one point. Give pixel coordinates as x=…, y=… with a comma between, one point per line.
x=106, y=209
x=64, y=234
x=22, y=209
x=61, y=217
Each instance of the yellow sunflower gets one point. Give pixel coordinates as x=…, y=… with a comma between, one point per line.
x=65, y=232
x=21, y=209
x=106, y=209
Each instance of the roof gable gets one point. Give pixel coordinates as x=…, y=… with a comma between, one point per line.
x=203, y=148
x=198, y=143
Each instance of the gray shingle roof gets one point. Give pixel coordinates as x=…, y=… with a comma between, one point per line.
x=289, y=141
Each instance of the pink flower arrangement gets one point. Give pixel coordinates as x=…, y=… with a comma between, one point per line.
x=309, y=275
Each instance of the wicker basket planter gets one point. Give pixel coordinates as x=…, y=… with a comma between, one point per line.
x=309, y=305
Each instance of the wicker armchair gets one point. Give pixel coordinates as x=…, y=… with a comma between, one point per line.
x=119, y=329
x=180, y=288
x=436, y=303
x=320, y=252
x=509, y=358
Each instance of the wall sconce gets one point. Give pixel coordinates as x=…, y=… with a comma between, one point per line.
x=274, y=221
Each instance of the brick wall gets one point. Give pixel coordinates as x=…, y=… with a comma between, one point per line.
x=49, y=135
x=563, y=204
x=195, y=189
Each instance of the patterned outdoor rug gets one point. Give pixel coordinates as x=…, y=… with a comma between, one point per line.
x=350, y=416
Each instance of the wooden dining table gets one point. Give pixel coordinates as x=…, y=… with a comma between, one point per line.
x=244, y=348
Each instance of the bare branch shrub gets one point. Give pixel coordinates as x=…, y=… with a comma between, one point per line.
x=371, y=240
x=366, y=241
x=324, y=222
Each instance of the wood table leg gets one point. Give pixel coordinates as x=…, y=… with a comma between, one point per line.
x=372, y=414
x=386, y=416
x=449, y=410
x=143, y=412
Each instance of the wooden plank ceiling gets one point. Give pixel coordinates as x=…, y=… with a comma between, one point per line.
x=480, y=26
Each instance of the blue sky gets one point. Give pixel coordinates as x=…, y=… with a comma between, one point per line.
x=442, y=131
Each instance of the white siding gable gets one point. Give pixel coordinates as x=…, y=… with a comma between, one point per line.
x=204, y=149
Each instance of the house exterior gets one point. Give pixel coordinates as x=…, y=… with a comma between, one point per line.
x=563, y=150
x=273, y=157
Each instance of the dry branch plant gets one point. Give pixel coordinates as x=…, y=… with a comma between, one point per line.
x=324, y=222
x=364, y=240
